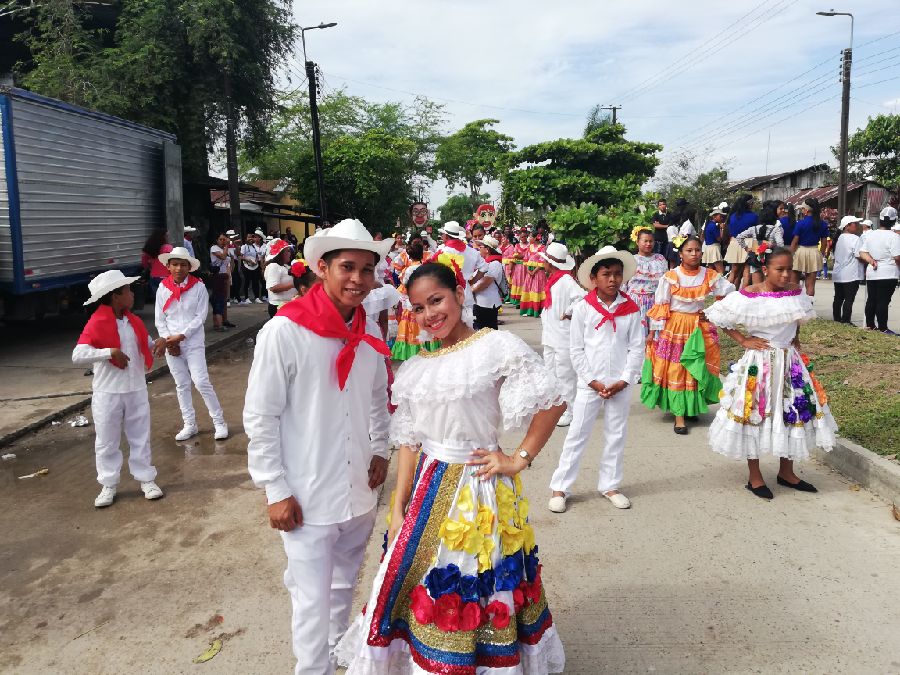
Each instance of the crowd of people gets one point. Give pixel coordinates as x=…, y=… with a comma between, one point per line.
x=459, y=587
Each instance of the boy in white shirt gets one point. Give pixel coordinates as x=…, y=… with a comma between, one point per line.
x=486, y=290
x=607, y=350
x=181, y=306
x=116, y=343
x=473, y=265
x=847, y=270
x=562, y=292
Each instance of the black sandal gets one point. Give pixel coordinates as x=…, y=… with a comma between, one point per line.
x=681, y=431
x=801, y=486
x=762, y=491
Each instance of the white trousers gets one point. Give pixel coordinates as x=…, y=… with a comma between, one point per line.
x=191, y=366
x=323, y=562
x=113, y=413
x=559, y=361
x=585, y=411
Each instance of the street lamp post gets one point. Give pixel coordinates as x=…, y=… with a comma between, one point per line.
x=845, y=113
x=314, y=114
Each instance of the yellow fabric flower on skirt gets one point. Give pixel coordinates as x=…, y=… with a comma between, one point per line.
x=484, y=521
x=523, y=512
x=464, y=502
x=506, y=502
x=484, y=555
x=511, y=538
x=517, y=484
x=459, y=535
x=528, y=541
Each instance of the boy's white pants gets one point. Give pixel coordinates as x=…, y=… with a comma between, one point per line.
x=113, y=413
x=191, y=366
x=559, y=362
x=323, y=562
x=585, y=410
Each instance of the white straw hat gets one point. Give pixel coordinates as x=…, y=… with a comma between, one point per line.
x=347, y=234
x=453, y=229
x=179, y=253
x=189, y=230
x=628, y=264
x=105, y=282
x=848, y=220
x=558, y=255
x=491, y=243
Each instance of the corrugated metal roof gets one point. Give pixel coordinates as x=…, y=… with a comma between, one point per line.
x=822, y=194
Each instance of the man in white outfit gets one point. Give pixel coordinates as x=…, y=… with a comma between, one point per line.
x=181, y=306
x=607, y=350
x=316, y=416
x=473, y=265
x=561, y=294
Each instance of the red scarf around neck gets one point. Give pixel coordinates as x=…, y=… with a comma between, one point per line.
x=554, y=277
x=624, y=309
x=101, y=332
x=177, y=290
x=316, y=312
x=456, y=244
x=492, y=258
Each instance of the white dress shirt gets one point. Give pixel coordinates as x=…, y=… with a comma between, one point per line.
x=490, y=296
x=185, y=316
x=108, y=378
x=472, y=263
x=564, y=294
x=606, y=354
x=846, y=266
x=884, y=247
x=309, y=438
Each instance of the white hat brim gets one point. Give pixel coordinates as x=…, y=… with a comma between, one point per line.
x=460, y=236
x=165, y=257
x=315, y=247
x=568, y=265
x=118, y=283
x=628, y=264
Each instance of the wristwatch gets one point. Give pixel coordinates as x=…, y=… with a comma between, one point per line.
x=524, y=455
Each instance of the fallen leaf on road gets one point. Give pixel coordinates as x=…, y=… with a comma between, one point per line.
x=214, y=649
x=855, y=487
x=895, y=511
x=39, y=472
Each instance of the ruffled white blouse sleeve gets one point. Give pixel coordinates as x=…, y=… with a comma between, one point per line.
x=528, y=386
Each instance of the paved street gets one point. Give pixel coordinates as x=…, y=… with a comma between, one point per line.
x=825, y=296
x=699, y=577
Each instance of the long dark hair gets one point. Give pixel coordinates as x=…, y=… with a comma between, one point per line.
x=155, y=242
x=445, y=276
x=769, y=213
x=741, y=205
x=815, y=210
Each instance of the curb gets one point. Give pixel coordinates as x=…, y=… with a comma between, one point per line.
x=870, y=470
x=80, y=404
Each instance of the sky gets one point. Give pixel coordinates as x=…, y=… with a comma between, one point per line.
x=754, y=83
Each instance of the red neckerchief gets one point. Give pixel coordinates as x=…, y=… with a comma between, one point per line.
x=101, y=332
x=624, y=309
x=556, y=276
x=316, y=312
x=177, y=290
x=456, y=244
x=492, y=258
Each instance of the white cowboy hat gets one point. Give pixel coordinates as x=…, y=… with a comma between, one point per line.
x=275, y=248
x=491, y=243
x=558, y=255
x=230, y=234
x=888, y=213
x=848, y=220
x=189, y=230
x=628, y=264
x=105, y=282
x=867, y=223
x=179, y=253
x=347, y=234
x=453, y=229
x=717, y=212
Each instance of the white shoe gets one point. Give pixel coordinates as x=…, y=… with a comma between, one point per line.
x=247, y=301
x=186, y=433
x=565, y=420
x=151, y=490
x=557, y=504
x=221, y=432
x=106, y=497
x=258, y=301
x=618, y=500
x=228, y=304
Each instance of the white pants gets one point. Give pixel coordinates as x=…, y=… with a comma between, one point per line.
x=191, y=365
x=559, y=361
x=323, y=562
x=585, y=410
x=112, y=413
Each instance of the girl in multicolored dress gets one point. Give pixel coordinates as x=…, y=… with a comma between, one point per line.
x=681, y=371
x=650, y=269
x=519, y=271
x=459, y=587
x=507, y=250
x=772, y=402
x=410, y=338
x=532, y=301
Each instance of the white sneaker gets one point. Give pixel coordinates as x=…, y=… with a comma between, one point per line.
x=106, y=497
x=258, y=301
x=151, y=490
x=565, y=420
x=221, y=432
x=247, y=301
x=618, y=500
x=228, y=304
x=557, y=504
x=186, y=433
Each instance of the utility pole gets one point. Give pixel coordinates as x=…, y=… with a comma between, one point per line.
x=234, y=193
x=317, y=140
x=845, y=121
x=614, y=108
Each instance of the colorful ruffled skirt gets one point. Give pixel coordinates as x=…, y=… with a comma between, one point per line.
x=532, y=301
x=772, y=403
x=409, y=340
x=681, y=369
x=644, y=301
x=517, y=282
x=459, y=589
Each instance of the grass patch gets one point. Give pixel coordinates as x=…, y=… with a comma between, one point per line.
x=860, y=370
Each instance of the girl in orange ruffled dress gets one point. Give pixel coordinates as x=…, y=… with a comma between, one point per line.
x=410, y=338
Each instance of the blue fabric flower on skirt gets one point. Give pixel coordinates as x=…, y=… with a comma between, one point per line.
x=509, y=573
x=442, y=580
x=469, y=588
x=531, y=564
x=486, y=583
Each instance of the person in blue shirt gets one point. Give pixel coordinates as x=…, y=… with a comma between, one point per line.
x=742, y=217
x=787, y=217
x=712, y=241
x=808, y=244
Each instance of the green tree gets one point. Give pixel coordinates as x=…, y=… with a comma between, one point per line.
x=686, y=177
x=461, y=207
x=874, y=152
x=473, y=155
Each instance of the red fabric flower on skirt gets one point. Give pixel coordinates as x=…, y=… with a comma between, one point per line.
x=471, y=618
x=422, y=605
x=447, y=609
x=499, y=614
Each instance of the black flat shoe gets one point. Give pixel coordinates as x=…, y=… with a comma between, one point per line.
x=802, y=486
x=681, y=431
x=762, y=491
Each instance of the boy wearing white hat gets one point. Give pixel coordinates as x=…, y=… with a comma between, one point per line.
x=116, y=343
x=316, y=416
x=607, y=350
x=189, y=233
x=473, y=265
x=181, y=306
x=561, y=294
x=486, y=291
